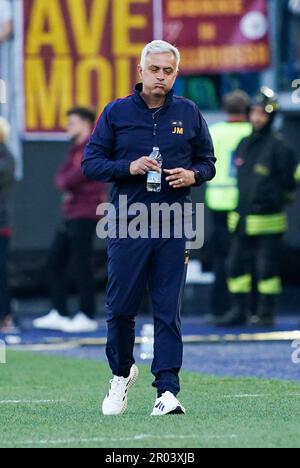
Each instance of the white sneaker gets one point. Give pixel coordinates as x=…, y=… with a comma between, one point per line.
x=52, y=321
x=81, y=324
x=116, y=402
x=167, y=404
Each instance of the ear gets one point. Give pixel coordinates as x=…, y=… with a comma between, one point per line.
x=176, y=76
x=140, y=71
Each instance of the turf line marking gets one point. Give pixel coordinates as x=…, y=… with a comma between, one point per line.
x=263, y=395
x=125, y=439
x=30, y=402
x=66, y=346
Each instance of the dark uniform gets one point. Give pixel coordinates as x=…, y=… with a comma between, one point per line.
x=7, y=167
x=266, y=168
x=222, y=198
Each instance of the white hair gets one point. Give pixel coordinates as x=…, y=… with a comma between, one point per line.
x=4, y=130
x=160, y=47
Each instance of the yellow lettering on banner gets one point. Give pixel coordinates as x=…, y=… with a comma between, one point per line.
x=47, y=103
x=235, y=56
x=88, y=33
x=123, y=77
x=124, y=21
x=102, y=68
x=47, y=13
x=75, y=67
x=207, y=32
x=192, y=8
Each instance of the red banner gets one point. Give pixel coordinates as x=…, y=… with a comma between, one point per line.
x=216, y=36
x=85, y=52
x=79, y=52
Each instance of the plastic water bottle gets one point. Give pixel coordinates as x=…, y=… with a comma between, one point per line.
x=154, y=178
x=147, y=346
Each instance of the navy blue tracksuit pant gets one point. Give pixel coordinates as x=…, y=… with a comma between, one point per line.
x=132, y=264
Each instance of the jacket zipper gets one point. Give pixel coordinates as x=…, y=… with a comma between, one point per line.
x=155, y=124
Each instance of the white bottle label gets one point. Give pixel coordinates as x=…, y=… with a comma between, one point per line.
x=154, y=177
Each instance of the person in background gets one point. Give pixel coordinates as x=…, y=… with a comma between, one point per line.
x=6, y=23
x=266, y=168
x=222, y=192
x=75, y=235
x=7, y=167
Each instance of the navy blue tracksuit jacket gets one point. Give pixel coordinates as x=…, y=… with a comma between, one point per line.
x=126, y=131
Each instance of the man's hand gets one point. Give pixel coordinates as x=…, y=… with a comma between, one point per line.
x=180, y=178
x=144, y=165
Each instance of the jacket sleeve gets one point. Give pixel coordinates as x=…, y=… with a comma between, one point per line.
x=286, y=166
x=7, y=169
x=204, y=155
x=98, y=163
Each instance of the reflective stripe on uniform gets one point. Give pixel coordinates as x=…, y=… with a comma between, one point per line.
x=222, y=198
x=297, y=174
x=272, y=286
x=257, y=225
x=233, y=221
x=222, y=192
x=240, y=285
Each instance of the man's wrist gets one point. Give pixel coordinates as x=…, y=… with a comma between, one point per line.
x=193, y=175
x=197, y=178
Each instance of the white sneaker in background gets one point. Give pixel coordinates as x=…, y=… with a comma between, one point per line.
x=81, y=324
x=167, y=404
x=116, y=402
x=52, y=321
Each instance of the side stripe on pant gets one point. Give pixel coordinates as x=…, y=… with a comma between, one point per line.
x=233, y=221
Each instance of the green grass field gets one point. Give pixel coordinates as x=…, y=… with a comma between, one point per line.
x=54, y=402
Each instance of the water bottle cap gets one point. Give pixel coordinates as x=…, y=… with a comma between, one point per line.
x=155, y=148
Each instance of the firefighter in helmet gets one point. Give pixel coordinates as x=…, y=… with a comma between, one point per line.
x=265, y=169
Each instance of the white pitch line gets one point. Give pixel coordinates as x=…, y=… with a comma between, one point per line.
x=246, y=396
x=98, y=440
x=30, y=402
x=296, y=395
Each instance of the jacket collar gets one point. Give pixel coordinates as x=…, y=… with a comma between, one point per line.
x=263, y=132
x=140, y=101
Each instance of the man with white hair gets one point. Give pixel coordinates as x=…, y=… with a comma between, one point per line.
x=153, y=117
x=7, y=167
